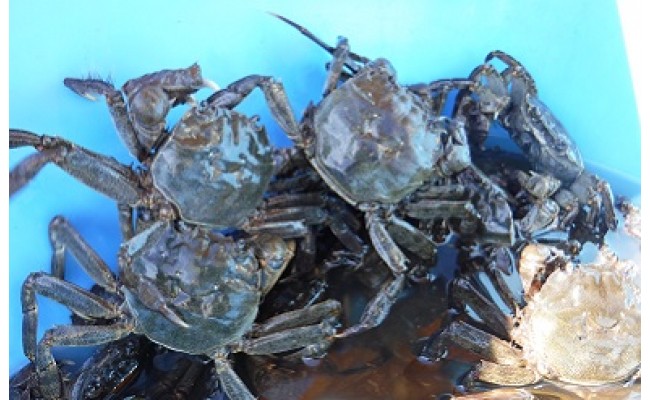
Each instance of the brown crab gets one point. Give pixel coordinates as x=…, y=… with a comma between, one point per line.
x=375, y=143
x=184, y=287
x=511, y=98
x=212, y=168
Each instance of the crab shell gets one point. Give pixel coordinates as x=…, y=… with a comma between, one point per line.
x=215, y=166
x=374, y=141
x=212, y=282
x=584, y=325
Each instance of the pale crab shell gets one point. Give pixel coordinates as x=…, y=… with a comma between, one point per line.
x=584, y=325
x=531, y=258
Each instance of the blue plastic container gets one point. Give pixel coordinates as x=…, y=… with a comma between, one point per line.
x=573, y=49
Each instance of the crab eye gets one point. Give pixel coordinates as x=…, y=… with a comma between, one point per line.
x=149, y=106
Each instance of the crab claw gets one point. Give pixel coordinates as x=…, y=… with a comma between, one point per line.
x=211, y=84
x=190, y=100
x=151, y=297
x=88, y=88
x=173, y=316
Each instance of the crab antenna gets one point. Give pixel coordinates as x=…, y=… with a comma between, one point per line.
x=325, y=46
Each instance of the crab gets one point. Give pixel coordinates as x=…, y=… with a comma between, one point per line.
x=492, y=221
x=106, y=374
x=24, y=385
x=135, y=368
x=511, y=98
x=176, y=375
x=591, y=311
x=112, y=369
x=545, y=213
x=212, y=168
x=297, y=193
x=109, y=372
x=182, y=286
x=375, y=143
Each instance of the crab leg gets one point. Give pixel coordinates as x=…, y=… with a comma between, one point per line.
x=515, y=68
x=502, y=263
x=290, y=229
x=89, y=88
x=378, y=308
x=495, y=212
x=179, y=383
x=24, y=172
x=352, y=56
x=411, y=238
x=465, y=293
x=425, y=208
x=70, y=335
x=230, y=381
x=301, y=317
x=292, y=330
x=381, y=231
x=504, y=375
x=173, y=86
x=487, y=346
x=384, y=244
x=450, y=191
x=309, y=214
x=125, y=217
x=305, y=258
x=64, y=237
x=346, y=235
x=78, y=300
x=276, y=98
x=99, y=172
x=288, y=339
x=230, y=96
x=339, y=57
x=312, y=209
x=438, y=91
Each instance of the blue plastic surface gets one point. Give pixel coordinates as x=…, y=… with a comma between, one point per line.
x=573, y=49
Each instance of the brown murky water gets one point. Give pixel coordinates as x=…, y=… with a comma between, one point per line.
x=378, y=364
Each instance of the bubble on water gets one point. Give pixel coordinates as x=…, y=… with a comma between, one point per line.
x=311, y=362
